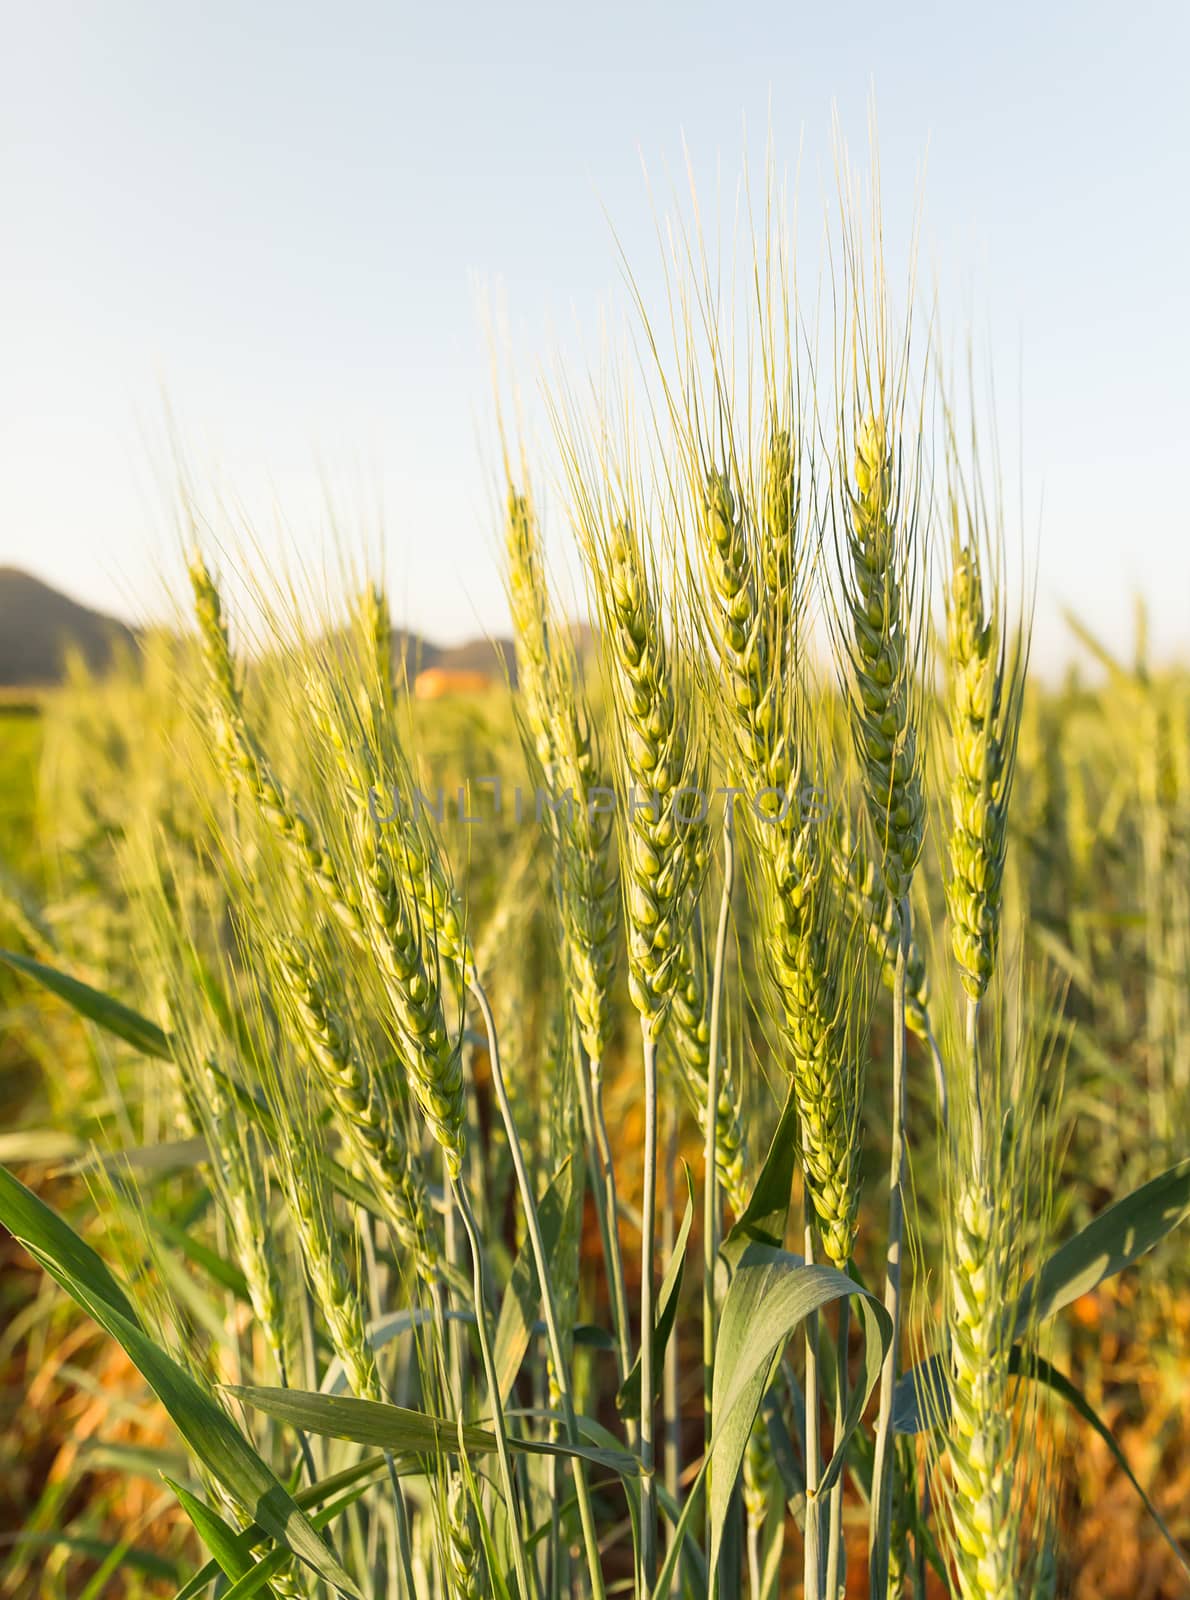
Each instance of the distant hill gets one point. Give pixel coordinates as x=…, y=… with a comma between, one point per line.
x=39, y=626
x=494, y=658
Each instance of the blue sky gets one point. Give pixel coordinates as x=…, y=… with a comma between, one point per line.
x=283, y=216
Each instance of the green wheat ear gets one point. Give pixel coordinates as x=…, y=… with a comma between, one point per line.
x=881, y=604
x=464, y=1558
x=405, y=954
x=371, y=1121
x=862, y=891
x=403, y=906
x=690, y=1037
x=981, y=1420
x=561, y=738
x=751, y=632
x=245, y=764
x=325, y=1254
x=732, y=607
x=531, y=621
x=985, y=705
x=663, y=853
x=808, y=967
x=760, y=1473
x=780, y=552
x=376, y=629
x=371, y=763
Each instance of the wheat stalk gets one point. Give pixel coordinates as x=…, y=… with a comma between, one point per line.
x=880, y=610
x=237, y=1153
x=752, y=601
x=662, y=847
x=986, y=688
x=560, y=733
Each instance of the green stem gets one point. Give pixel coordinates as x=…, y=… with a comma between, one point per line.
x=669, y=1382
x=451, y=1396
x=404, y=1539
x=712, y=1213
x=400, y=1510
x=754, y=1578
x=450, y=1334
x=310, y=1364
x=812, y=1578
x=302, y=1438
x=586, y=1509
x=526, y=1587
x=648, y=1485
x=609, y=1201
x=835, y=1551
x=555, y=1559
x=939, y=1081
x=475, y=1146
x=880, y=1522
x=919, y=1542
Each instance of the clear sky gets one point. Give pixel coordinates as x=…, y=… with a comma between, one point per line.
x=279, y=214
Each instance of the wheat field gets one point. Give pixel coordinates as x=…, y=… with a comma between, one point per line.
x=686, y=1122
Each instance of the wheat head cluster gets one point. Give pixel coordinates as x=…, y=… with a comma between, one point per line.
x=658, y=1194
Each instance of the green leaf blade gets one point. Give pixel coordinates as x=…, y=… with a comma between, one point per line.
x=1118, y=1236
x=208, y=1430
x=771, y=1294
x=108, y=1013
